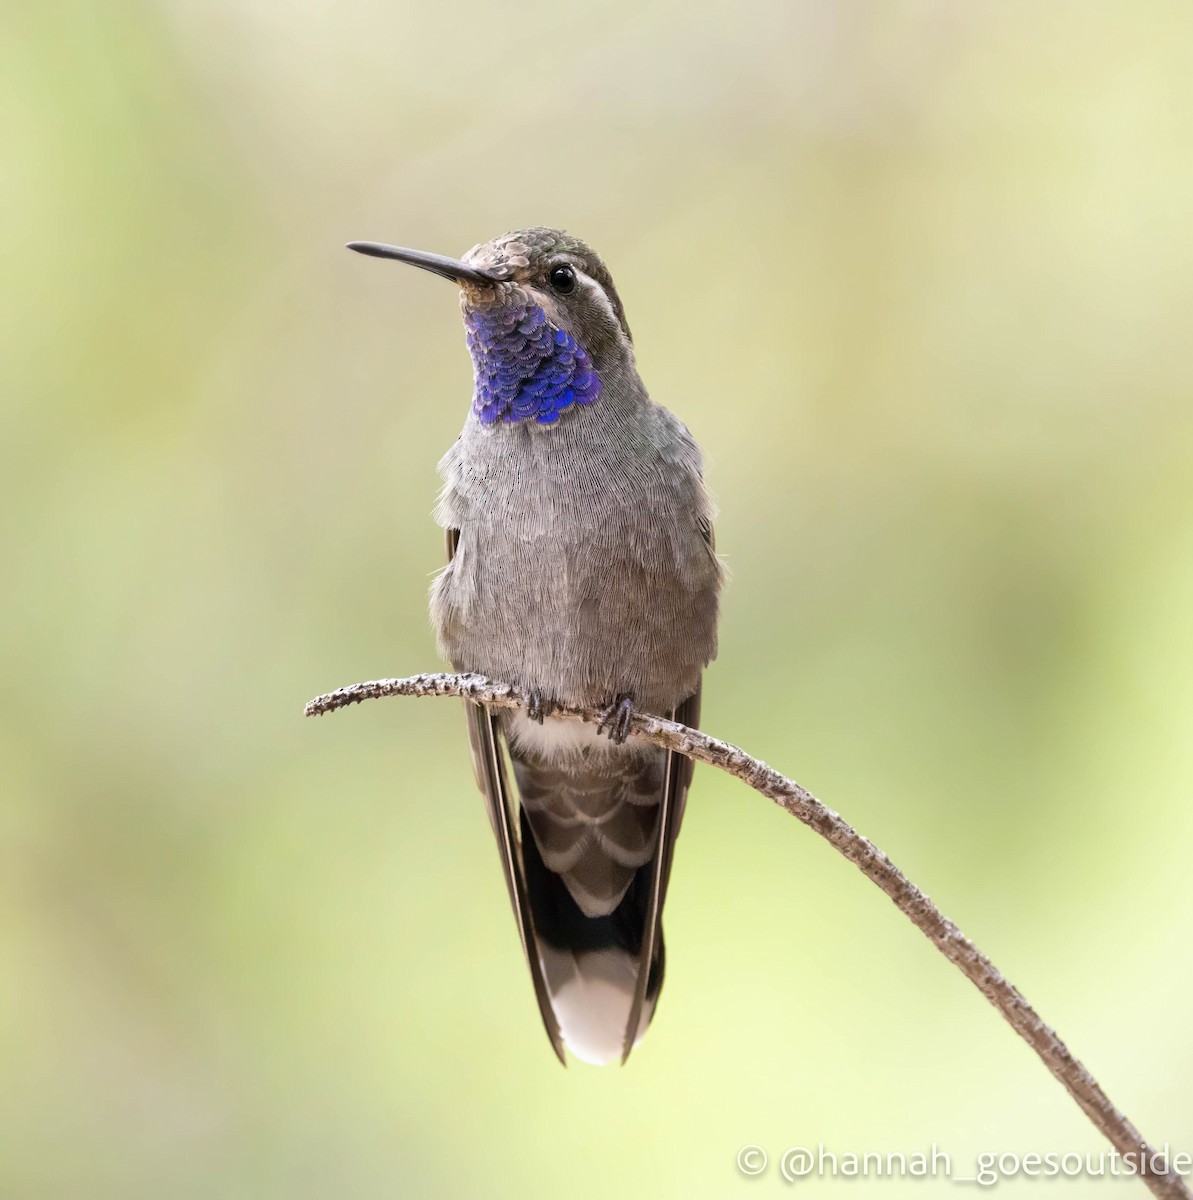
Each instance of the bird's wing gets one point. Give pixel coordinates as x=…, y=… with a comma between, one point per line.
x=489, y=762
x=677, y=778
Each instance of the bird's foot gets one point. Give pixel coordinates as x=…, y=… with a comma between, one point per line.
x=616, y=719
x=539, y=706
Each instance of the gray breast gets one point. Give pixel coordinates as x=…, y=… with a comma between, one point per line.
x=584, y=567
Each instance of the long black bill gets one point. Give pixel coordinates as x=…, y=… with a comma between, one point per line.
x=437, y=264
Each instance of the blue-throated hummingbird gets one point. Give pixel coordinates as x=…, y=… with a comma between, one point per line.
x=581, y=568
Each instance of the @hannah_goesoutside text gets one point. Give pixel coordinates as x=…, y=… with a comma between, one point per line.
x=987, y=1169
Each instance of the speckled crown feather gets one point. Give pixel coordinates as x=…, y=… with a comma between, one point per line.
x=520, y=253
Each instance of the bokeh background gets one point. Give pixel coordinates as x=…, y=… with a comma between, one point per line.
x=918, y=275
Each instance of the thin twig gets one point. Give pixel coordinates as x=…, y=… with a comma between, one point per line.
x=871, y=861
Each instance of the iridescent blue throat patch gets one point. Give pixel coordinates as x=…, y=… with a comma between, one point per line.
x=525, y=367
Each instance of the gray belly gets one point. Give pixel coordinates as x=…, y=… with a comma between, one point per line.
x=615, y=606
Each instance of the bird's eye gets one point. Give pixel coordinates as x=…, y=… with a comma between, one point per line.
x=562, y=279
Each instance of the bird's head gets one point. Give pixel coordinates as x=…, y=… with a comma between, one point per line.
x=544, y=323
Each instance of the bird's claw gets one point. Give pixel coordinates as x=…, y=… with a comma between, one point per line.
x=616, y=719
x=538, y=706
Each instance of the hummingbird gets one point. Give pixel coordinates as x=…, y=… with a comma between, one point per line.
x=581, y=567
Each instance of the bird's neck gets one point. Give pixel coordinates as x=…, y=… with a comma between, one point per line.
x=526, y=368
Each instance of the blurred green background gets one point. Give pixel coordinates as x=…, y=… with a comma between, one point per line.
x=919, y=276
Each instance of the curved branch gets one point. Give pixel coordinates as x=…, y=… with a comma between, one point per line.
x=871, y=861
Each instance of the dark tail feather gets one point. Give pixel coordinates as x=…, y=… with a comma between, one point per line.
x=591, y=964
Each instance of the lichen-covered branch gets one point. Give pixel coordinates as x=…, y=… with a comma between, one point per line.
x=871, y=861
